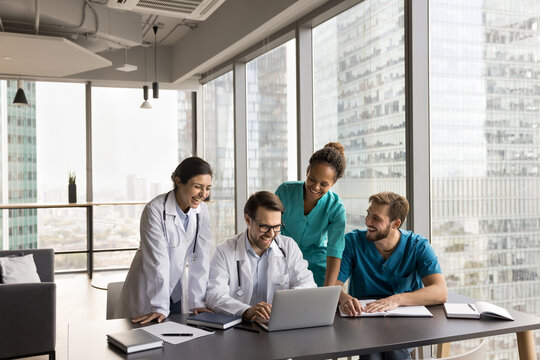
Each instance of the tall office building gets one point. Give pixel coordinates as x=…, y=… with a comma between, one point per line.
x=359, y=99
x=485, y=135
x=219, y=152
x=185, y=124
x=485, y=104
x=18, y=171
x=271, y=97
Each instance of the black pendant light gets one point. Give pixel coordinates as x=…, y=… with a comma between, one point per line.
x=20, y=96
x=145, y=104
x=155, y=85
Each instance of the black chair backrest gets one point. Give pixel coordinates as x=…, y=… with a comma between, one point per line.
x=44, y=259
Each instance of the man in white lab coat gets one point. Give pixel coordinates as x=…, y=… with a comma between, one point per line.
x=247, y=269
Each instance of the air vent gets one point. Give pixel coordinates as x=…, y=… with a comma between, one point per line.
x=184, y=9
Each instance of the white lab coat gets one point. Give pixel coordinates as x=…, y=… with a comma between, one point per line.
x=283, y=273
x=161, y=260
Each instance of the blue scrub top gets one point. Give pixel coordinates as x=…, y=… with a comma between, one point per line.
x=318, y=234
x=372, y=276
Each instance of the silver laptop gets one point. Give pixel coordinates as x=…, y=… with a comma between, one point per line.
x=300, y=308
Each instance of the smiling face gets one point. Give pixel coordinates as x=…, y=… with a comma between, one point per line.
x=319, y=179
x=259, y=240
x=192, y=193
x=378, y=222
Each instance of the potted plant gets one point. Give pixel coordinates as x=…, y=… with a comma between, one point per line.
x=72, y=188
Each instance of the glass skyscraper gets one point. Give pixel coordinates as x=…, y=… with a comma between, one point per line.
x=359, y=99
x=219, y=152
x=18, y=156
x=485, y=146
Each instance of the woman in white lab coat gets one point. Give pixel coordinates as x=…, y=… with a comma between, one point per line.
x=170, y=269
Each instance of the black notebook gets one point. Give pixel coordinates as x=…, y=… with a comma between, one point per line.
x=134, y=340
x=213, y=320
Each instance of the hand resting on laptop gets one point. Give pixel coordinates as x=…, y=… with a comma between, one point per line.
x=258, y=312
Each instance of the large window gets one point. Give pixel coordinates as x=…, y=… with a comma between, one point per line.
x=359, y=99
x=134, y=153
x=219, y=152
x=42, y=143
x=485, y=146
x=271, y=118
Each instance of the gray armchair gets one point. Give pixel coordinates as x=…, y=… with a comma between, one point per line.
x=28, y=311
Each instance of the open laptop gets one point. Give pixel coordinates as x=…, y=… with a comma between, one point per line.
x=300, y=308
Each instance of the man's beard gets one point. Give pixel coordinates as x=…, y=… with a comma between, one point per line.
x=379, y=235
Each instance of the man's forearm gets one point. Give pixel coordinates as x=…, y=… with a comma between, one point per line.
x=429, y=295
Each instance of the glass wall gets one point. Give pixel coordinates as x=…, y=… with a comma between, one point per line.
x=218, y=108
x=271, y=118
x=485, y=152
x=41, y=144
x=134, y=152
x=359, y=99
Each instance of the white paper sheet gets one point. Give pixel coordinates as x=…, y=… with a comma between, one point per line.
x=174, y=327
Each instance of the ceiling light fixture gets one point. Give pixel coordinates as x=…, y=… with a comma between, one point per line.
x=20, y=97
x=155, y=85
x=145, y=104
x=126, y=67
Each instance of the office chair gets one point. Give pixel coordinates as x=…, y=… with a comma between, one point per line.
x=113, y=295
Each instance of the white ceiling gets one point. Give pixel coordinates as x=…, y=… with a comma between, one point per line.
x=36, y=55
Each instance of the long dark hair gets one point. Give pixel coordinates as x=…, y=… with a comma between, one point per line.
x=190, y=167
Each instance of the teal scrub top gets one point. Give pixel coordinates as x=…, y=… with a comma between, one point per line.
x=318, y=234
x=371, y=276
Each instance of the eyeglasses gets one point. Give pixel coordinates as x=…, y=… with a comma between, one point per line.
x=263, y=228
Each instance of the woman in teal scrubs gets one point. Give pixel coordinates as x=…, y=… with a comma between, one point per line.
x=315, y=216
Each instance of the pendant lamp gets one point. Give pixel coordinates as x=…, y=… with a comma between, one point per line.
x=20, y=96
x=145, y=104
x=155, y=85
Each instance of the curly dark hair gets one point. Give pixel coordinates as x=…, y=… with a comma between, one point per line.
x=332, y=154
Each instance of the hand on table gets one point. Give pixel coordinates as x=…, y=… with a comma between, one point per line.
x=388, y=303
x=149, y=317
x=260, y=311
x=350, y=305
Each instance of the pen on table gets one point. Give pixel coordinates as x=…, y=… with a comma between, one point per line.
x=201, y=327
x=177, y=334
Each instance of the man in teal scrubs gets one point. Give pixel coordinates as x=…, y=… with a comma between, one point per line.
x=397, y=266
